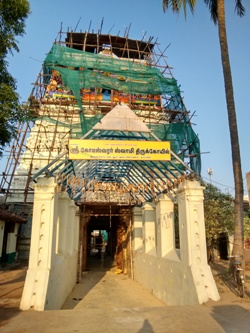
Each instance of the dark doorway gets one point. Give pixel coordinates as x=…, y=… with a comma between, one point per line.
x=102, y=239
x=105, y=240
x=101, y=242
x=223, y=246
x=9, y=228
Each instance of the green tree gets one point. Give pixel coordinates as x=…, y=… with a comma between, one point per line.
x=13, y=14
x=217, y=12
x=219, y=215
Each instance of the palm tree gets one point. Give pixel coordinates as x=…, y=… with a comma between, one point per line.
x=217, y=12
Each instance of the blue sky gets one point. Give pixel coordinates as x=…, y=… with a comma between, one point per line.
x=193, y=53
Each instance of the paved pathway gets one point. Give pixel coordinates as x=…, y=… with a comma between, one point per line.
x=108, y=302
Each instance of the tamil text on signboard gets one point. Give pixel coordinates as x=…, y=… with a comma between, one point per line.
x=119, y=150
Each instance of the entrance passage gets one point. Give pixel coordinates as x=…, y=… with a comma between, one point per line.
x=105, y=237
x=101, y=242
x=108, y=290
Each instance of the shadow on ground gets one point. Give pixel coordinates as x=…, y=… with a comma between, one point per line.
x=7, y=313
x=233, y=318
x=221, y=271
x=89, y=281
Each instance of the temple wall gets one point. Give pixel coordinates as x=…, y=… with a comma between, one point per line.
x=51, y=274
x=47, y=139
x=176, y=276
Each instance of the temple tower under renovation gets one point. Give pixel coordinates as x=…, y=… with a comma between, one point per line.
x=111, y=151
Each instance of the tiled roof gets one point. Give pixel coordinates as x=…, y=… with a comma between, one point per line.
x=7, y=216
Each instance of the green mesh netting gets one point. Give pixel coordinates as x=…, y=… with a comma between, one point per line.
x=80, y=69
x=84, y=70
x=183, y=141
x=175, y=103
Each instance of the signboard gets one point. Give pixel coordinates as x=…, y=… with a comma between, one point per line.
x=119, y=150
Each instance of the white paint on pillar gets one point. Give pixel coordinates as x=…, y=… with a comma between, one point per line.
x=137, y=228
x=192, y=225
x=165, y=225
x=50, y=277
x=62, y=219
x=71, y=224
x=193, y=240
x=76, y=230
x=42, y=248
x=149, y=234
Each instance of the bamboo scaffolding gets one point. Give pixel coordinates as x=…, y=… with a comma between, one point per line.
x=68, y=110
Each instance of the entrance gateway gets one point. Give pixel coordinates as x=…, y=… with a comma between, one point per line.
x=112, y=151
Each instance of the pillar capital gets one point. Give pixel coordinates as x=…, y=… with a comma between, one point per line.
x=191, y=190
x=148, y=206
x=189, y=186
x=63, y=196
x=44, y=183
x=137, y=211
x=162, y=197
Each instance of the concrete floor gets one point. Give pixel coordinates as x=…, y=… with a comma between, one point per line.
x=107, y=288
x=108, y=302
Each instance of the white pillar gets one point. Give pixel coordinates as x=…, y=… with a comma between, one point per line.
x=193, y=240
x=62, y=220
x=137, y=228
x=71, y=226
x=192, y=225
x=165, y=225
x=42, y=249
x=76, y=230
x=148, y=218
